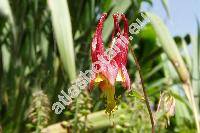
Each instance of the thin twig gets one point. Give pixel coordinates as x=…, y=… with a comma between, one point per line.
x=144, y=91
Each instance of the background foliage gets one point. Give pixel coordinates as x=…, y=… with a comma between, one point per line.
x=44, y=45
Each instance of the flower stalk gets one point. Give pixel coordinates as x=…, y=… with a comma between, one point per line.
x=144, y=91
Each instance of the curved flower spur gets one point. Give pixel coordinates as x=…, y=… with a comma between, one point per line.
x=109, y=66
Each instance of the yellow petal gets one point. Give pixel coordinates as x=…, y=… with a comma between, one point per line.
x=109, y=92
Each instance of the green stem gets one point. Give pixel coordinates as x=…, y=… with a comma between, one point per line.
x=144, y=91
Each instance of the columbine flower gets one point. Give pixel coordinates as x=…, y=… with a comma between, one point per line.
x=110, y=66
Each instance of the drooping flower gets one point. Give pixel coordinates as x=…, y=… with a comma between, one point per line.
x=109, y=66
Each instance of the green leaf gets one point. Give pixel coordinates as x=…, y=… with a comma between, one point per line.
x=63, y=32
x=165, y=5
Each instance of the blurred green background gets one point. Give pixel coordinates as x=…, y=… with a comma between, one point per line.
x=45, y=44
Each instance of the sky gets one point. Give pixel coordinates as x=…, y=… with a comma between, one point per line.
x=183, y=14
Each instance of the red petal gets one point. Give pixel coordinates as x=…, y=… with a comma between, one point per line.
x=97, y=47
x=121, y=41
x=127, y=79
x=116, y=25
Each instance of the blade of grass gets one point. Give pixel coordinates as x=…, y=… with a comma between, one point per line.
x=169, y=46
x=5, y=58
x=63, y=32
x=196, y=63
x=6, y=10
x=165, y=5
x=154, y=70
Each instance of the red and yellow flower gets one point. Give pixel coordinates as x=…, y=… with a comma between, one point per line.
x=108, y=71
